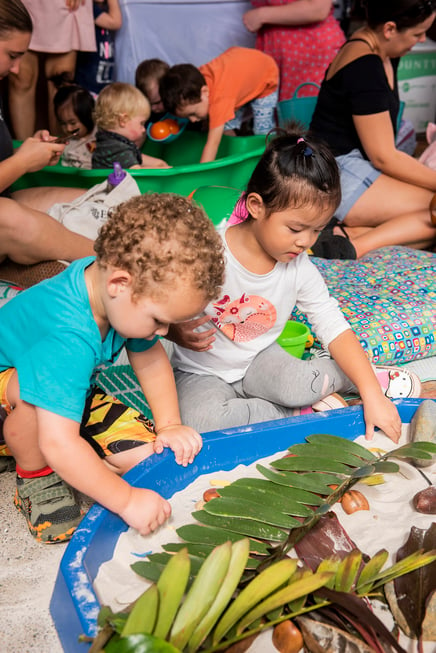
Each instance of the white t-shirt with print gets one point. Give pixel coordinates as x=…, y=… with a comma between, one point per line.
x=252, y=311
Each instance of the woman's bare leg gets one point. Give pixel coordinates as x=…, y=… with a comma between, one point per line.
x=397, y=214
x=57, y=64
x=22, y=96
x=28, y=236
x=42, y=198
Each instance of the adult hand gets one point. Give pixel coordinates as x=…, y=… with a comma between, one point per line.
x=74, y=4
x=252, y=19
x=184, y=334
x=37, y=154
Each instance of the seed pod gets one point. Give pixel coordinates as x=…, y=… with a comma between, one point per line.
x=425, y=501
x=287, y=638
x=211, y=493
x=353, y=500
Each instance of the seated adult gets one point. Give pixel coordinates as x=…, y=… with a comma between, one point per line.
x=386, y=193
x=27, y=233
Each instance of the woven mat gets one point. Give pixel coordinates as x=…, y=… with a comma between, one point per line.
x=120, y=381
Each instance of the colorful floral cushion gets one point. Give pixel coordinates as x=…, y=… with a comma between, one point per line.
x=389, y=299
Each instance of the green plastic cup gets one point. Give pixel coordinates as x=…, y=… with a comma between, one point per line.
x=294, y=337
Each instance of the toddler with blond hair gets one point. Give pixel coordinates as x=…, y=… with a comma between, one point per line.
x=121, y=111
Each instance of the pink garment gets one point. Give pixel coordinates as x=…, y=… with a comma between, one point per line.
x=58, y=30
x=428, y=157
x=302, y=53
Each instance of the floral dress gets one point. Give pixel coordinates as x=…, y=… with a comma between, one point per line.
x=301, y=52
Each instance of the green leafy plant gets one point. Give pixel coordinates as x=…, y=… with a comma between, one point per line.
x=232, y=577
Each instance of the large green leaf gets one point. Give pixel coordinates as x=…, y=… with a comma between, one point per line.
x=330, y=451
x=343, y=444
x=287, y=493
x=273, y=500
x=310, y=464
x=311, y=482
x=239, y=507
x=140, y=644
x=242, y=526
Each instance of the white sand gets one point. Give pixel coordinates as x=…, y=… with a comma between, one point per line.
x=386, y=525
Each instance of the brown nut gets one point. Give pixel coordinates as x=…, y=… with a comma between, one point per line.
x=211, y=493
x=287, y=638
x=353, y=500
x=425, y=501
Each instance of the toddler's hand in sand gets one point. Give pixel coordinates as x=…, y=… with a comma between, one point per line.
x=380, y=411
x=146, y=510
x=184, y=334
x=184, y=441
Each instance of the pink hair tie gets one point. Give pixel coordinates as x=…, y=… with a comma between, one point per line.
x=240, y=212
x=300, y=140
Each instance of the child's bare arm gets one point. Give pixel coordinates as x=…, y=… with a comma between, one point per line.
x=153, y=162
x=378, y=409
x=155, y=375
x=210, y=150
x=77, y=463
x=112, y=18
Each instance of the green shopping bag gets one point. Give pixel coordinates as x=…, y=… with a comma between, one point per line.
x=297, y=108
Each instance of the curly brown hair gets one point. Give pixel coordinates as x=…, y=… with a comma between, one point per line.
x=160, y=238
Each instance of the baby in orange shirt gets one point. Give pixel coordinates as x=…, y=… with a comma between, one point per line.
x=221, y=90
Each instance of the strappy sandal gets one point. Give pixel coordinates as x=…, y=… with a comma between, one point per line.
x=331, y=246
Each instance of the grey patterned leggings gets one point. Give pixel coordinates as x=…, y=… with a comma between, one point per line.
x=274, y=384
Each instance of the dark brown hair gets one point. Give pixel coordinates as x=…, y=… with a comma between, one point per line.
x=14, y=17
x=404, y=13
x=181, y=85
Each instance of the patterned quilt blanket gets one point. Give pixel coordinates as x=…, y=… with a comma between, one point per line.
x=389, y=299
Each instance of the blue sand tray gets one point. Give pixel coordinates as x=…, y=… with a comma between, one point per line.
x=74, y=605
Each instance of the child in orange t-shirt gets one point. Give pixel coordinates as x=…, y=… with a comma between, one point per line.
x=221, y=90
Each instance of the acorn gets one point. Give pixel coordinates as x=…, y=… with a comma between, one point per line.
x=353, y=500
x=287, y=637
x=211, y=493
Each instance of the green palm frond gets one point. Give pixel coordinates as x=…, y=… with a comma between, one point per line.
x=255, y=522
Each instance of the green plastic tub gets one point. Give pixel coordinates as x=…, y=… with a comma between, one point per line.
x=237, y=157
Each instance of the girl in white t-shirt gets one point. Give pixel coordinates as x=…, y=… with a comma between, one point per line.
x=229, y=369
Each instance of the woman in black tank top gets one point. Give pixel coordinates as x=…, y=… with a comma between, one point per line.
x=386, y=192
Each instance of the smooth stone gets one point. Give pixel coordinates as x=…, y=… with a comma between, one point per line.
x=423, y=428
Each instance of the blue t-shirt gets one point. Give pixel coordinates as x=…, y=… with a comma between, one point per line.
x=48, y=333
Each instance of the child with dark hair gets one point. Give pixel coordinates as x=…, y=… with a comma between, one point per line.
x=233, y=372
x=222, y=90
x=74, y=107
x=95, y=70
x=147, y=77
x=158, y=260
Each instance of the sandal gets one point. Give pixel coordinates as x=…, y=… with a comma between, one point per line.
x=330, y=246
x=331, y=402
